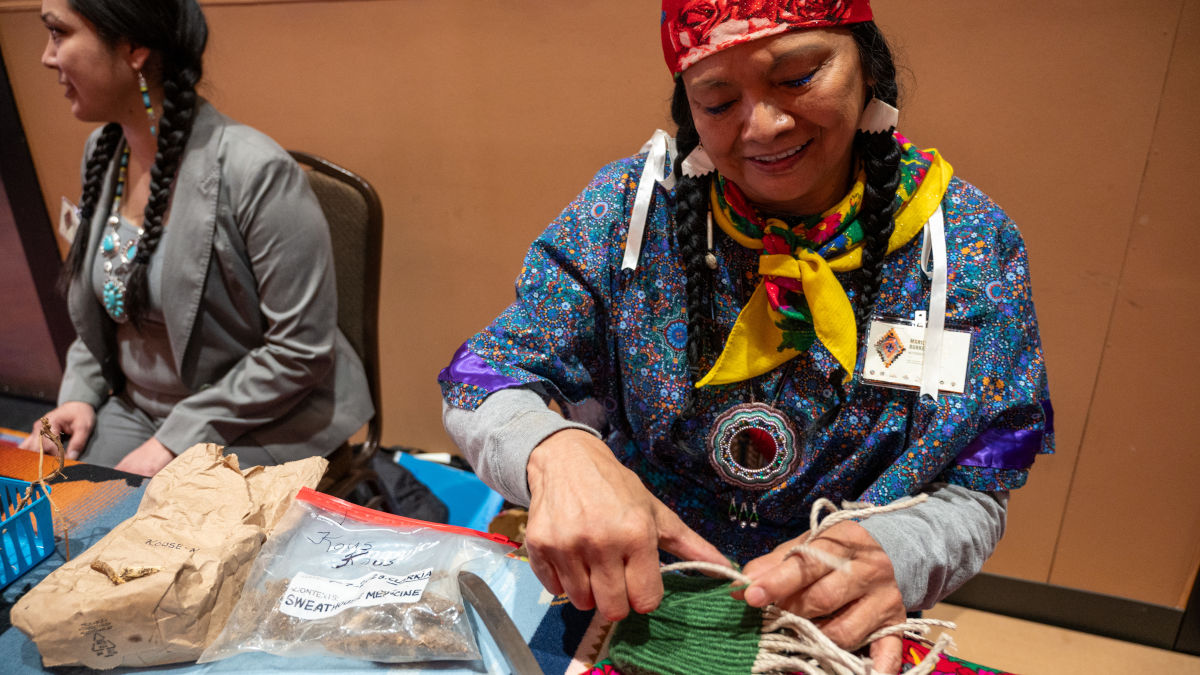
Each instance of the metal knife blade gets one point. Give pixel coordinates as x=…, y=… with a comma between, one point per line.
x=504, y=632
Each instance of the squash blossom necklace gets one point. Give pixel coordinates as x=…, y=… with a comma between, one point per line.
x=118, y=256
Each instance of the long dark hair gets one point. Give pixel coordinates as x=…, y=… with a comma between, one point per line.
x=176, y=33
x=880, y=155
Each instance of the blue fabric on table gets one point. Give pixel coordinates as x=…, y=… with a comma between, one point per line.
x=554, y=628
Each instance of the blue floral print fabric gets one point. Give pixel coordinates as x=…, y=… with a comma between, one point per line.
x=581, y=328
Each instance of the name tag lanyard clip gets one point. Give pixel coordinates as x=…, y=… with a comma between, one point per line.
x=933, y=264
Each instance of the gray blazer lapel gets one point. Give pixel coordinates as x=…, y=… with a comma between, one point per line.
x=193, y=218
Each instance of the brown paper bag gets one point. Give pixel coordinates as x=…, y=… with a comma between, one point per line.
x=159, y=587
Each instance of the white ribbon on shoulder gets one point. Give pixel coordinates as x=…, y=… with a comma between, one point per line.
x=660, y=145
x=933, y=264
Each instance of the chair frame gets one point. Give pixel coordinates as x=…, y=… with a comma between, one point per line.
x=372, y=259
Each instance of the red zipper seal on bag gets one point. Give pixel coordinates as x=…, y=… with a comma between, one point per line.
x=364, y=515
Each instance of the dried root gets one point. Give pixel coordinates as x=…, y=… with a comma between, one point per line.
x=126, y=574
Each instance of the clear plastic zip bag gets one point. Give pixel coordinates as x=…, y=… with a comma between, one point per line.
x=341, y=580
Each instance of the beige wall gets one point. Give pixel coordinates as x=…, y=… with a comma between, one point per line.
x=477, y=121
x=1136, y=487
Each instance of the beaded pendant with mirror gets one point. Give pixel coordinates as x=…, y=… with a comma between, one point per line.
x=754, y=446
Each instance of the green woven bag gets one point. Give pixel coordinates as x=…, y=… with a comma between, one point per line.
x=698, y=628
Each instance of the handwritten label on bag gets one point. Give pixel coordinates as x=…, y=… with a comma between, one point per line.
x=311, y=597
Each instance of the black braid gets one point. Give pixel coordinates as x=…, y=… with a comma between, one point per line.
x=880, y=155
x=93, y=176
x=176, y=33
x=691, y=225
x=175, y=126
x=881, y=162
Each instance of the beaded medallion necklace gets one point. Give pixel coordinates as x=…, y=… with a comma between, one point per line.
x=754, y=446
x=117, y=257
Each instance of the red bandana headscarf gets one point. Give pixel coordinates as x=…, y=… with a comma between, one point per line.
x=693, y=29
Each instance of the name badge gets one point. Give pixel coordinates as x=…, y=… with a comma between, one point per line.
x=896, y=355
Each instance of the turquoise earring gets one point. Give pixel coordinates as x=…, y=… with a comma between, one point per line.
x=146, y=101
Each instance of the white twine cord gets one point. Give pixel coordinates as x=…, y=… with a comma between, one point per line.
x=791, y=643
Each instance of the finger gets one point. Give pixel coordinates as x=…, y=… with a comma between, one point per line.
x=887, y=655
x=545, y=573
x=676, y=538
x=790, y=578
x=830, y=593
x=47, y=445
x=643, y=581
x=560, y=570
x=35, y=436
x=578, y=588
x=758, y=567
x=76, y=444
x=575, y=580
x=851, y=624
x=608, y=588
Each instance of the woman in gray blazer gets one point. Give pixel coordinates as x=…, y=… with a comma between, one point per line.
x=200, y=280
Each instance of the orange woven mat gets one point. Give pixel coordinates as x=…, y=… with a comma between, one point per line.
x=77, y=500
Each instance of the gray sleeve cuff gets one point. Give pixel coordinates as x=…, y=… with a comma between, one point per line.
x=497, y=437
x=935, y=547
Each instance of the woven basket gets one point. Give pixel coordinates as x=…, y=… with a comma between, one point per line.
x=27, y=533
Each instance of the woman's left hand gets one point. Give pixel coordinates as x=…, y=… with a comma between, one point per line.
x=148, y=459
x=848, y=603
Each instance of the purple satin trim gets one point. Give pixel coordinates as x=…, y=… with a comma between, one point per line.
x=467, y=368
x=1007, y=448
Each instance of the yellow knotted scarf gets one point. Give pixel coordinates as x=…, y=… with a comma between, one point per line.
x=753, y=344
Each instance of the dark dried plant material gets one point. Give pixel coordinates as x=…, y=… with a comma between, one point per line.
x=393, y=632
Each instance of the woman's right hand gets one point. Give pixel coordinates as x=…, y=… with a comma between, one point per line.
x=594, y=529
x=73, y=417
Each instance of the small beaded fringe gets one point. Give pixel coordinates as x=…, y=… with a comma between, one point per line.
x=793, y=644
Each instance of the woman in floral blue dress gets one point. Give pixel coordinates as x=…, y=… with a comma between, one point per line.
x=787, y=301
